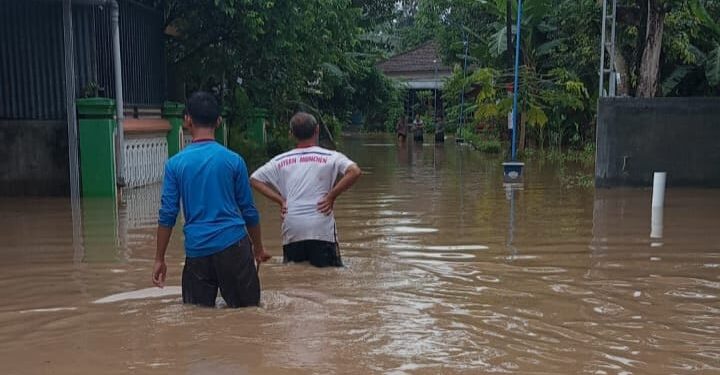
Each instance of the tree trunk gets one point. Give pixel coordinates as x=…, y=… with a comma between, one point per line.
x=621, y=66
x=623, y=87
x=650, y=63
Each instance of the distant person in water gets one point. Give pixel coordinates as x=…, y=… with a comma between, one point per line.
x=418, y=129
x=222, y=226
x=440, y=130
x=401, y=128
x=303, y=183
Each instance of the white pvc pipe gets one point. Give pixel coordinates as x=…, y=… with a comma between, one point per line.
x=658, y=196
x=658, y=202
x=69, y=55
x=120, y=106
x=656, y=222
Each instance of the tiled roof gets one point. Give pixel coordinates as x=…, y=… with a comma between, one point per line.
x=419, y=59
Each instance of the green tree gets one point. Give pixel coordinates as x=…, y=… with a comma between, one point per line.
x=283, y=54
x=664, y=45
x=649, y=73
x=692, y=55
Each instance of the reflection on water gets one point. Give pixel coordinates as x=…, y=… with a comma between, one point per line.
x=448, y=271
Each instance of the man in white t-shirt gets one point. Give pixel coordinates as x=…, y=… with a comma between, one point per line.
x=304, y=183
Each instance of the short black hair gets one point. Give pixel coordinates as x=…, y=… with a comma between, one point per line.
x=203, y=109
x=302, y=125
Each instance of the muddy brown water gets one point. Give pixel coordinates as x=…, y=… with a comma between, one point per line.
x=447, y=272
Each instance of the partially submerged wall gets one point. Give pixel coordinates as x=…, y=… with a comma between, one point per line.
x=637, y=136
x=33, y=158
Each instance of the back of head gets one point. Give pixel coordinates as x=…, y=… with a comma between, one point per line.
x=203, y=109
x=303, y=125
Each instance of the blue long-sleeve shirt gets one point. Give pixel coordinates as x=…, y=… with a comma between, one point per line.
x=212, y=184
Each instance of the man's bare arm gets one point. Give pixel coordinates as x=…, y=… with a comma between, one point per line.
x=258, y=248
x=267, y=190
x=160, y=269
x=352, y=174
x=272, y=194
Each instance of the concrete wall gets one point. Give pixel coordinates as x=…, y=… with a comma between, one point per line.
x=33, y=158
x=636, y=137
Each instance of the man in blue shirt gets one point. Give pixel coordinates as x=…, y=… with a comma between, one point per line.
x=212, y=184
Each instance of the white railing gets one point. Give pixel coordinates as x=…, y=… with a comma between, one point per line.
x=145, y=157
x=137, y=217
x=141, y=206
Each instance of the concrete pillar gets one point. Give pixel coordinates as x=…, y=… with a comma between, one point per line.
x=221, y=131
x=173, y=112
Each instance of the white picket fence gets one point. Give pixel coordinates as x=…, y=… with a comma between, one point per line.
x=145, y=157
x=141, y=206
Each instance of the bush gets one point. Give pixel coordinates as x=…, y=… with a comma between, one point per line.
x=278, y=141
x=334, y=126
x=490, y=146
x=395, y=109
x=428, y=124
x=253, y=153
x=483, y=143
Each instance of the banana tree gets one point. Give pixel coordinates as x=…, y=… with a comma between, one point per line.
x=705, y=60
x=548, y=100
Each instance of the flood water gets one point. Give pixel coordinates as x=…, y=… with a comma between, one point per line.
x=448, y=272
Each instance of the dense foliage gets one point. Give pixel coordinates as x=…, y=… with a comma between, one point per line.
x=665, y=48
x=314, y=55
x=319, y=55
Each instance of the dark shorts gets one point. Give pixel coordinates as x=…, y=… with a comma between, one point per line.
x=318, y=253
x=231, y=270
x=418, y=137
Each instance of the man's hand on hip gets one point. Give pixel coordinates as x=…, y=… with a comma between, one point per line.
x=326, y=204
x=283, y=210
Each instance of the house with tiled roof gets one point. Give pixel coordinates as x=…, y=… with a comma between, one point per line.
x=419, y=69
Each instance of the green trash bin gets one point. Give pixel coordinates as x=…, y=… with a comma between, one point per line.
x=100, y=230
x=97, y=127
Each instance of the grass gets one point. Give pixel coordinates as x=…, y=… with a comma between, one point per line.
x=585, y=157
x=577, y=180
x=483, y=143
x=580, y=161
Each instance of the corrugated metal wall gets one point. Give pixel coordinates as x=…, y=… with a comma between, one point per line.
x=31, y=64
x=142, y=37
x=143, y=53
x=85, y=34
x=31, y=56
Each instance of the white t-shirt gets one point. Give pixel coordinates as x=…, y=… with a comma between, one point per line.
x=303, y=177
